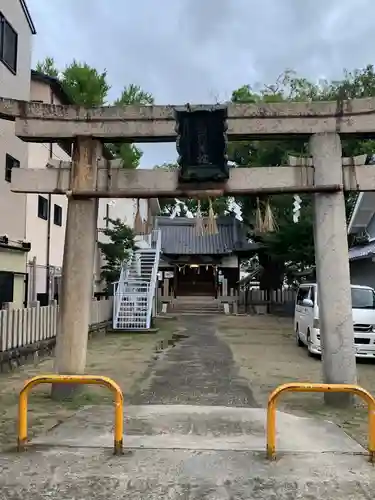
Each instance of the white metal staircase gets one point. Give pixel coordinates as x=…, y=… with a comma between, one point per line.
x=135, y=291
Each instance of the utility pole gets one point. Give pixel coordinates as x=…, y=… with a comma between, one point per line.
x=332, y=265
x=78, y=265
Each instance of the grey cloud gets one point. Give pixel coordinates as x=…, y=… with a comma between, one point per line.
x=201, y=50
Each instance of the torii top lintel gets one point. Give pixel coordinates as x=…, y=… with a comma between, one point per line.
x=39, y=122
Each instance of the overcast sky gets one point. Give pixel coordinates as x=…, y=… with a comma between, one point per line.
x=200, y=50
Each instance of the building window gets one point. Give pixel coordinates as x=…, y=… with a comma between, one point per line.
x=8, y=45
x=10, y=163
x=57, y=215
x=42, y=207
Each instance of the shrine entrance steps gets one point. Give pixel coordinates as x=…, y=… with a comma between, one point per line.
x=196, y=304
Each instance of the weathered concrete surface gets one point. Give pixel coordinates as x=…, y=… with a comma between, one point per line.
x=332, y=265
x=145, y=183
x=188, y=453
x=39, y=122
x=199, y=428
x=184, y=475
x=198, y=370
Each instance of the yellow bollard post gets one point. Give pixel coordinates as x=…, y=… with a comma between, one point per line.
x=307, y=387
x=119, y=423
x=271, y=430
x=72, y=379
x=22, y=420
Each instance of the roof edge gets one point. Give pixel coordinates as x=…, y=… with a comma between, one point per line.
x=28, y=16
x=355, y=211
x=54, y=83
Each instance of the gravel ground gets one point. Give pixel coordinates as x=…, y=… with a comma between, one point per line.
x=221, y=360
x=124, y=357
x=264, y=349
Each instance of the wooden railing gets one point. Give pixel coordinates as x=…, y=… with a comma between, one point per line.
x=260, y=297
x=23, y=327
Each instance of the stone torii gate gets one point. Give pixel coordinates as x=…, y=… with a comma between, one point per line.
x=89, y=178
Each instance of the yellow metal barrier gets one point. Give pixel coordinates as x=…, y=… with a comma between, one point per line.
x=71, y=379
x=305, y=387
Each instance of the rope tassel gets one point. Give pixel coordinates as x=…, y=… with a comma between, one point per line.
x=211, y=223
x=269, y=223
x=258, y=218
x=199, y=220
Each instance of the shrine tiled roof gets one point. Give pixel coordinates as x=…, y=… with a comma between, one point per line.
x=179, y=237
x=362, y=251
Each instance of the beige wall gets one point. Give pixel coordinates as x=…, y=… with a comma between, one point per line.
x=13, y=206
x=15, y=262
x=37, y=228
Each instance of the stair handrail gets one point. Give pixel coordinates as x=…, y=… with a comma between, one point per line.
x=154, y=274
x=121, y=286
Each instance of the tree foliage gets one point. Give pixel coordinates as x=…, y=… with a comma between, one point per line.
x=115, y=250
x=48, y=67
x=292, y=246
x=88, y=87
x=129, y=153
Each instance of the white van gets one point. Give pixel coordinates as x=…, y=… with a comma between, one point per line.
x=306, y=319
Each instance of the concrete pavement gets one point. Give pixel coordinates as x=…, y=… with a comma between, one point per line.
x=193, y=431
x=188, y=452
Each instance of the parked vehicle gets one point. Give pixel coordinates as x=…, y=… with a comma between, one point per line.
x=306, y=319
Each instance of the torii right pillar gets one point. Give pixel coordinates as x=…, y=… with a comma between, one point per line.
x=332, y=266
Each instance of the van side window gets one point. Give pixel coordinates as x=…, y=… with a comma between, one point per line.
x=303, y=293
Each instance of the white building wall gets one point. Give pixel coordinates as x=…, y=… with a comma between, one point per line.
x=36, y=227
x=15, y=86
x=13, y=206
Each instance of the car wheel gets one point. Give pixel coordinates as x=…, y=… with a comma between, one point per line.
x=298, y=339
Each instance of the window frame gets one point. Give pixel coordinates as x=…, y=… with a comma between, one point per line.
x=41, y=214
x=302, y=288
x=8, y=168
x=4, y=23
x=57, y=214
x=312, y=294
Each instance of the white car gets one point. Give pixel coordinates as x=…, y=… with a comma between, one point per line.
x=306, y=319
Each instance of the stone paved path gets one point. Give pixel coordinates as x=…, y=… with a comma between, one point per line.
x=198, y=370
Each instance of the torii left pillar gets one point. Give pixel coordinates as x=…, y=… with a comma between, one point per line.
x=78, y=265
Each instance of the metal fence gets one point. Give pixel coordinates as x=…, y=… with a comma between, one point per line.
x=23, y=327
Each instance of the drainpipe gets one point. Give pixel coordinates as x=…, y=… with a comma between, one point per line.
x=48, y=253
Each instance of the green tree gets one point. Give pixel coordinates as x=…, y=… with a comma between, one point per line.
x=129, y=153
x=291, y=246
x=88, y=87
x=115, y=250
x=48, y=67
x=85, y=85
